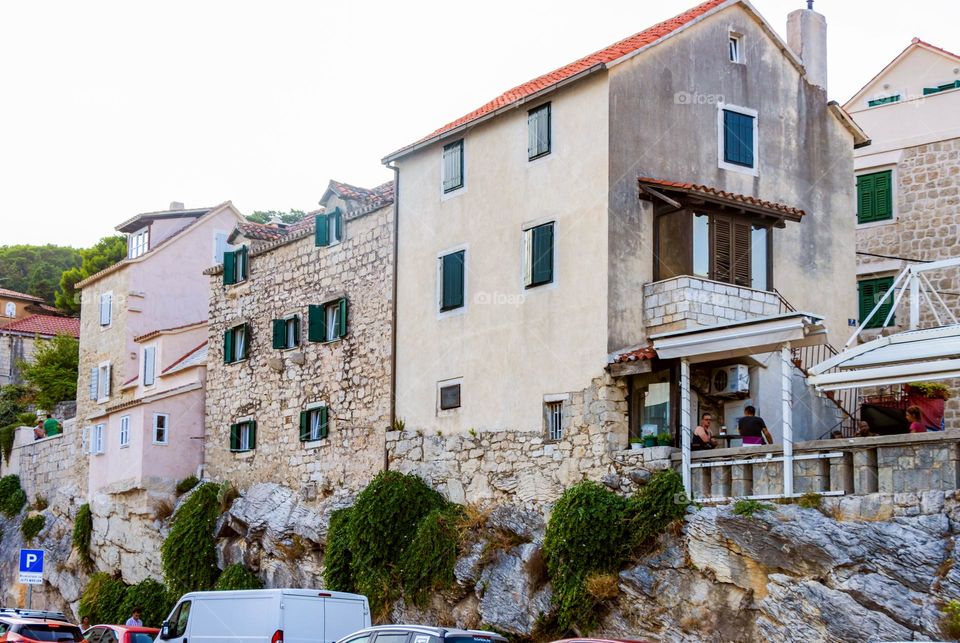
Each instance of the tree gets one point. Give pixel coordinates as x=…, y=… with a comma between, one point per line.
x=266, y=216
x=53, y=371
x=103, y=254
x=35, y=270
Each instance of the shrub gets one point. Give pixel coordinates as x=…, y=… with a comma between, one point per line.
x=237, y=576
x=149, y=595
x=427, y=563
x=82, y=534
x=226, y=494
x=603, y=587
x=950, y=622
x=12, y=497
x=337, y=558
x=810, y=500
x=31, y=526
x=7, y=435
x=40, y=503
x=749, y=507
x=657, y=504
x=187, y=484
x=101, y=598
x=188, y=555
x=52, y=371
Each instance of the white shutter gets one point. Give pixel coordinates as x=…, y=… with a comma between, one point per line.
x=219, y=246
x=94, y=382
x=106, y=381
x=106, y=301
x=149, y=363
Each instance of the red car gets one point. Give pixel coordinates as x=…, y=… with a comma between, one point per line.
x=37, y=630
x=599, y=641
x=120, y=634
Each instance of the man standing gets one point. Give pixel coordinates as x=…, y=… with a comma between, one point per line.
x=752, y=428
x=51, y=426
x=134, y=621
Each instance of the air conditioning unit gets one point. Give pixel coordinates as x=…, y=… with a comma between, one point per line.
x=730, y=380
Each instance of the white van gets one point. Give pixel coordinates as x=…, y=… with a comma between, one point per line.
x=265, y=616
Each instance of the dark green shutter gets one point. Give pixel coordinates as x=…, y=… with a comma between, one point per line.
x=241, y=274
x=542, y=255
x=884, y=195
x=228, y=346
x=280, y=333
x=338, y=223
x=253, y=434
x=452, y=270
x=324, y=422
x=342, y=318
x=296, y=330
x=229, y=272
x=870, y=292
x=234, y=437
x=316, y=324
x=874, y=196
x=246, y=342
x=865, y=198
x=737, y=138
x=321, y=232
x=304, y=426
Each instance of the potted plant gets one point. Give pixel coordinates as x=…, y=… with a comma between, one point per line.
x=931, y=398
x=650, y=440
x=664, y=440
x=636, y=444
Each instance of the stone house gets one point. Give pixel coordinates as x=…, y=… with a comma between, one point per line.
x=553, y=240
x=298, y=376
x=18, y=341
x=908, y=182
x=142, y=325
x=17, y=305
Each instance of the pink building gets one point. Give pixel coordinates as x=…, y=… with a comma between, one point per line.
x=140, y=407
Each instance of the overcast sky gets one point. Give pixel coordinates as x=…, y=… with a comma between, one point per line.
x=113, y=108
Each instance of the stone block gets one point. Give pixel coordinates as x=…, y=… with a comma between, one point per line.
x=865, y=471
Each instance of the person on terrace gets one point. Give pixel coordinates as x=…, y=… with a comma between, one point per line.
x=753, y=429
x=702, y=438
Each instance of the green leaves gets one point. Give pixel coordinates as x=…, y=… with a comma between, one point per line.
x=52, y=372
x=82, y=535
x=103, y=254
x=31, y=526
x=237, y=576
x=12, y=497
x=36, y=270
x=189, y=554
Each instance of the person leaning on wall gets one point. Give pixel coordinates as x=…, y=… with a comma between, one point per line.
x=753, y=429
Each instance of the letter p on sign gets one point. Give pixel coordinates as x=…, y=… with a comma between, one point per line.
x=31, y=566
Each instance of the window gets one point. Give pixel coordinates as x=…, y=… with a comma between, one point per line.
x=453, y=166
x=243, y=436
x=538, y=255
x=178, y=621
x=10, y=310
x=650, y=404
x=874, y=197
x=106, y=308
x=871, y=291
x=451, y=280
x=96, y=439
x=941, y=88
x=100, y=382
x=883, y=101
x=738, y=138
x=138, y=243
x=730, y=250
x=161, y=428
x=553, y=418
x=124, y=431
x=328, y=321
x=328, y=228
x=235, y=266
x=235, y=342
x=538, y=132
x=734, y=48
x=149, y=365
x=286, y=332
x=314, y=424
x=449, y=396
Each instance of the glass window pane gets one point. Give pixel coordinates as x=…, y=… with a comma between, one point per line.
x=758, y=258
x=701, y=245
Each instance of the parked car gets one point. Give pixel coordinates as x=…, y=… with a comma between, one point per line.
x=120, y=634
x=25, y=613
x=599, y=641
x=420, y=634
x=37, y=630
x=265, y=616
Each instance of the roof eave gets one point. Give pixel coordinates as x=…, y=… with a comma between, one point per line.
x=860, y=138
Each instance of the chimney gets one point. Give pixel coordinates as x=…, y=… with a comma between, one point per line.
x=807, y=37
x=176, y=205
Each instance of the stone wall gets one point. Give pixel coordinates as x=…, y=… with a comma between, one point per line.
x=14, y=348
x=688, y=302
x=351, y=375
x=48, y=467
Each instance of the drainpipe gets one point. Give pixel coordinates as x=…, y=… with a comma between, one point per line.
x=393, y=326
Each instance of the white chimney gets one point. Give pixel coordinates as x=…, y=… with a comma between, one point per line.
x=176, y=205
x=807, y=37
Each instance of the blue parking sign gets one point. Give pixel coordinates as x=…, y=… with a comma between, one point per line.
x=31, y=566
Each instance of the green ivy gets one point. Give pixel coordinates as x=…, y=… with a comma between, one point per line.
x=237, y=576
x=31, y=526
x=187, y=484
x=7, y=436
x=152, y=597
x=427, y=564
x=657, y=504
x=82, y=535
x=12, y=497
x=337, y=558
x=101, y=598
x=188, y=555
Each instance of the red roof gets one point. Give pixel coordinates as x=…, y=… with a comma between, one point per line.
x=13, y=294
x=602, y=57
x=722, y=194
x=645, y=353
x=918, y=41
x=47, y=325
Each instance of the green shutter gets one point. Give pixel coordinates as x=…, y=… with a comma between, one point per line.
x=884, y=195
x=304, y=426
x=321, y=231
x=338, y=223
x=241, y=273
x=253, y=434
x=246, y=342
x=865, y=195
x=316, y=324
x=296, y=330
x=228, y=346
x=452, y=270
x=280, y=333
x=542, y=255
x=234, y=437
x=342, y=317
x=229, y=273
x=324, y=422
x=874, y=196
x=870, y=292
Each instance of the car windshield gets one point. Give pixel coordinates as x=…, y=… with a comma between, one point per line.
x=51, y=632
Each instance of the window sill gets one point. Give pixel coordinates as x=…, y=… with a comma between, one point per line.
x=246, y=454
x=539, y=157
x=312, y=445
x=160, y=444
x=537, y=285
x=446, y=195
x=125, y=446
x=237, y=361
x=875, y=224
x=740, y=169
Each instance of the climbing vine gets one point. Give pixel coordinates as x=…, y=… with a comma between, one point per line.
x=82, y=535
x=101, y=597
x=188, y=555
x=107, y=599
x=427, y=563
x=237, y=576
x=12, y=497
x=31, y=526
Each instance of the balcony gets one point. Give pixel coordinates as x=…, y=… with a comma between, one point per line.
x=685, y=303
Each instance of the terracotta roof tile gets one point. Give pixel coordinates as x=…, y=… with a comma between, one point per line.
x=601, y=57
x=378, y=195
x=13, y=294
x=260, y=231
x=47, y=325
x=695, y=188
x=644, y=353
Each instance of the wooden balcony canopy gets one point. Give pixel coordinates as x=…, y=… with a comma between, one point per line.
x=671, y=196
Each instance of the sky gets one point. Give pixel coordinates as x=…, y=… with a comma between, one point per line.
x=112, y=108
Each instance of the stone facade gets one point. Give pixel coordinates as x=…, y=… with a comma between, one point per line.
x=47, y=467
x=14, y=348
x=682, y=303
x=273, y=386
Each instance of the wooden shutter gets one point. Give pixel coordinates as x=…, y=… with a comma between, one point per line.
x=324, y=422
x=453, y=166
x=296, y=330
x=542, y=257
x=452, y=274
x=865, y=198
x=108, y=378
x=94, y=382
x=342, y=317
x=538, y=132
x=149, y=365
x=228, y=346
x=242, y=268
x=321, y=231
x=253, y=434
x=234, y=437
x=105, y=309
x=304, y=426
x=337, y=224
x=740, y=268
x=870, y=292
x=229, y=268
x=316, y=324
x=246, y=342
x=721, y=241
x=737, y=138
x=280, y=333
x=883, y=201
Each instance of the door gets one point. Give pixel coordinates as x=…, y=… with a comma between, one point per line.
x=179, y=622
x=343, y=616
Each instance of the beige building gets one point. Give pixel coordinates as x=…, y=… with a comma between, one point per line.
x=17, y=305
x=298, y=386
x=18, y=341
x=552, y=239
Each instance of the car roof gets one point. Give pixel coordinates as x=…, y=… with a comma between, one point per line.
x=128, y=628
x=23, y=620
x=429, y=629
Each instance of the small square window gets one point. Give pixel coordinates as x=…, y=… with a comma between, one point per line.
x=235, y=266
x=328, y=228
x=327, y=322
x=161, y=428
x=453, y=166
x=875, y=196
x=243, y=436
x=737, y=145
x=449, y=397
x=286, y=332
x=871, y=292
x=314, y=424
x=553, y=419
x=97, y=445
x=734, y=48
x=235, y=343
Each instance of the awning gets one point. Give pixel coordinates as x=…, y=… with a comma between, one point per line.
x=910, y=356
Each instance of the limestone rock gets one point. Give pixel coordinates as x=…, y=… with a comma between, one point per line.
x=524, y=523
x=511, y=600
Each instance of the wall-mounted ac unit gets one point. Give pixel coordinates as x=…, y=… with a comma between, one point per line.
x=730, y=380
